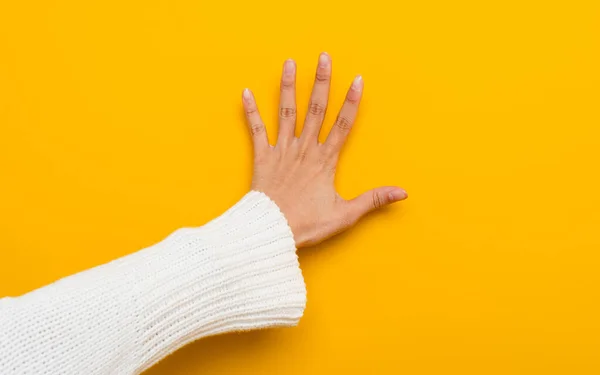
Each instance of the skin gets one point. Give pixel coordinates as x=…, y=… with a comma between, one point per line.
x=298, y=173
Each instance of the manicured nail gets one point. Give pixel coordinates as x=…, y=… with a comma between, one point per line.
x=289, y=67
x=324, y=59
x=357, y=84
x=247, y=95
x=398, y=195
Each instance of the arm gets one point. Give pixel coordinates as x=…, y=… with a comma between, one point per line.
x=237, y=272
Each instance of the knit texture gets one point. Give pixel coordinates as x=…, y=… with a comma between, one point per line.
x=237, y=272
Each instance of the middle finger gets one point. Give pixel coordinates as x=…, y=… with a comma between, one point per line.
x=318, y=99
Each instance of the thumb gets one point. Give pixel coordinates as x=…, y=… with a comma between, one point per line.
x=375, y=199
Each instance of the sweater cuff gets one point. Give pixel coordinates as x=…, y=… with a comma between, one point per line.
x=238, y=272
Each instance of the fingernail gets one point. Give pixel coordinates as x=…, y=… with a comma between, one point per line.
x=398, y=195
x=357, y=84
x=324, y=59
x=247, y=95
x=289, y=67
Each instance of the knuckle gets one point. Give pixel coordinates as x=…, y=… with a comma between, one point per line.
x=377, y=201
x=302, y=155
x=259, y=159
x=316, y=109
x=322, y=76
x=333, y=157
x=323, y=161
x=278, y=154
x=261, y=163
x=331, y=170
x=256, y=128
x=287, y=113
x=353, y=99
x=287, y=84
x=251, y=110
x=343, y=123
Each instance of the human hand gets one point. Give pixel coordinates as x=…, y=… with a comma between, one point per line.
x=298, y=173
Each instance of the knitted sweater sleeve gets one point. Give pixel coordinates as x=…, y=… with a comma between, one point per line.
x=237, y=272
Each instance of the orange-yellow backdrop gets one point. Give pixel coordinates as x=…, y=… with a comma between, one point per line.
x=120, y=121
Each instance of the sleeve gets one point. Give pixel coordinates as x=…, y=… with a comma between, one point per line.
x=238, y=272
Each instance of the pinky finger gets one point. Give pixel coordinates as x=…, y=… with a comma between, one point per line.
x=255, y=123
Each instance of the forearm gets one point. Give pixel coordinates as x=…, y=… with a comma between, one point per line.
x=237, y=272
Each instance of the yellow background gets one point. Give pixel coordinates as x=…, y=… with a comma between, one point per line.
x=121, y=121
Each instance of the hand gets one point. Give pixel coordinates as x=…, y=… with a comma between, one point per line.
x=298, y=173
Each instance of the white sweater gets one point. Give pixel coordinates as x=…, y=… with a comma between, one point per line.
x=237, y=272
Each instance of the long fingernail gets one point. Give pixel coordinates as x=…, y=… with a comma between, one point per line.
x=398, y=194
x=289, y=67
x=324, y=60
x=357, y=84
x=247, y=95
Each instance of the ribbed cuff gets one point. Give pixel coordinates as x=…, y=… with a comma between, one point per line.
x=238, y=272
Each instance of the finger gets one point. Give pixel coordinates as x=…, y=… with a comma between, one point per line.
x=287, y=103
x=375, y=199
x=318, y=99
x=255, y=123
x=343, y=124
